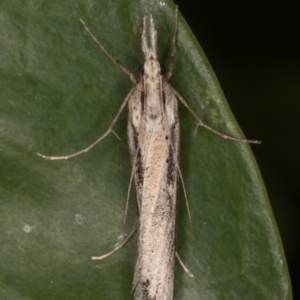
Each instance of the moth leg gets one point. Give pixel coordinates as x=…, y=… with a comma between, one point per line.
x=189, y=213
x=201, y=123
x=185, y=194
x=128, y=194
x=183, y=265
x=131, y=233
x=108, y=131
x=116, y=61
x=134, y=228
x=172, y=54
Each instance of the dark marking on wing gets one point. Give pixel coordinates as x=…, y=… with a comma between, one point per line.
x=173, y=135
x=144, y=287
x=142, y=99
x=138, y=159
x=135, y=136
x=164, y=100
x=139, y=168
x=152, y=116
x=171, y=166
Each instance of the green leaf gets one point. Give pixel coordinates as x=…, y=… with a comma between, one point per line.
x=59, y=93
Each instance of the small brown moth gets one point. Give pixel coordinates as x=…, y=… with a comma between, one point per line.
x=153, y=137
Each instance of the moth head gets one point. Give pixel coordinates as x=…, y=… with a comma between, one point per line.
x=152, y=68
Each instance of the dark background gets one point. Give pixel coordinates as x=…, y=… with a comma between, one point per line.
x=254, y=49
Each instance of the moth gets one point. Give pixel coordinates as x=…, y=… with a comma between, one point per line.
x=153, y=138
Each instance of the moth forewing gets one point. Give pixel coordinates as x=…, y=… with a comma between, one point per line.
x=135, y=107
x=155, y=159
